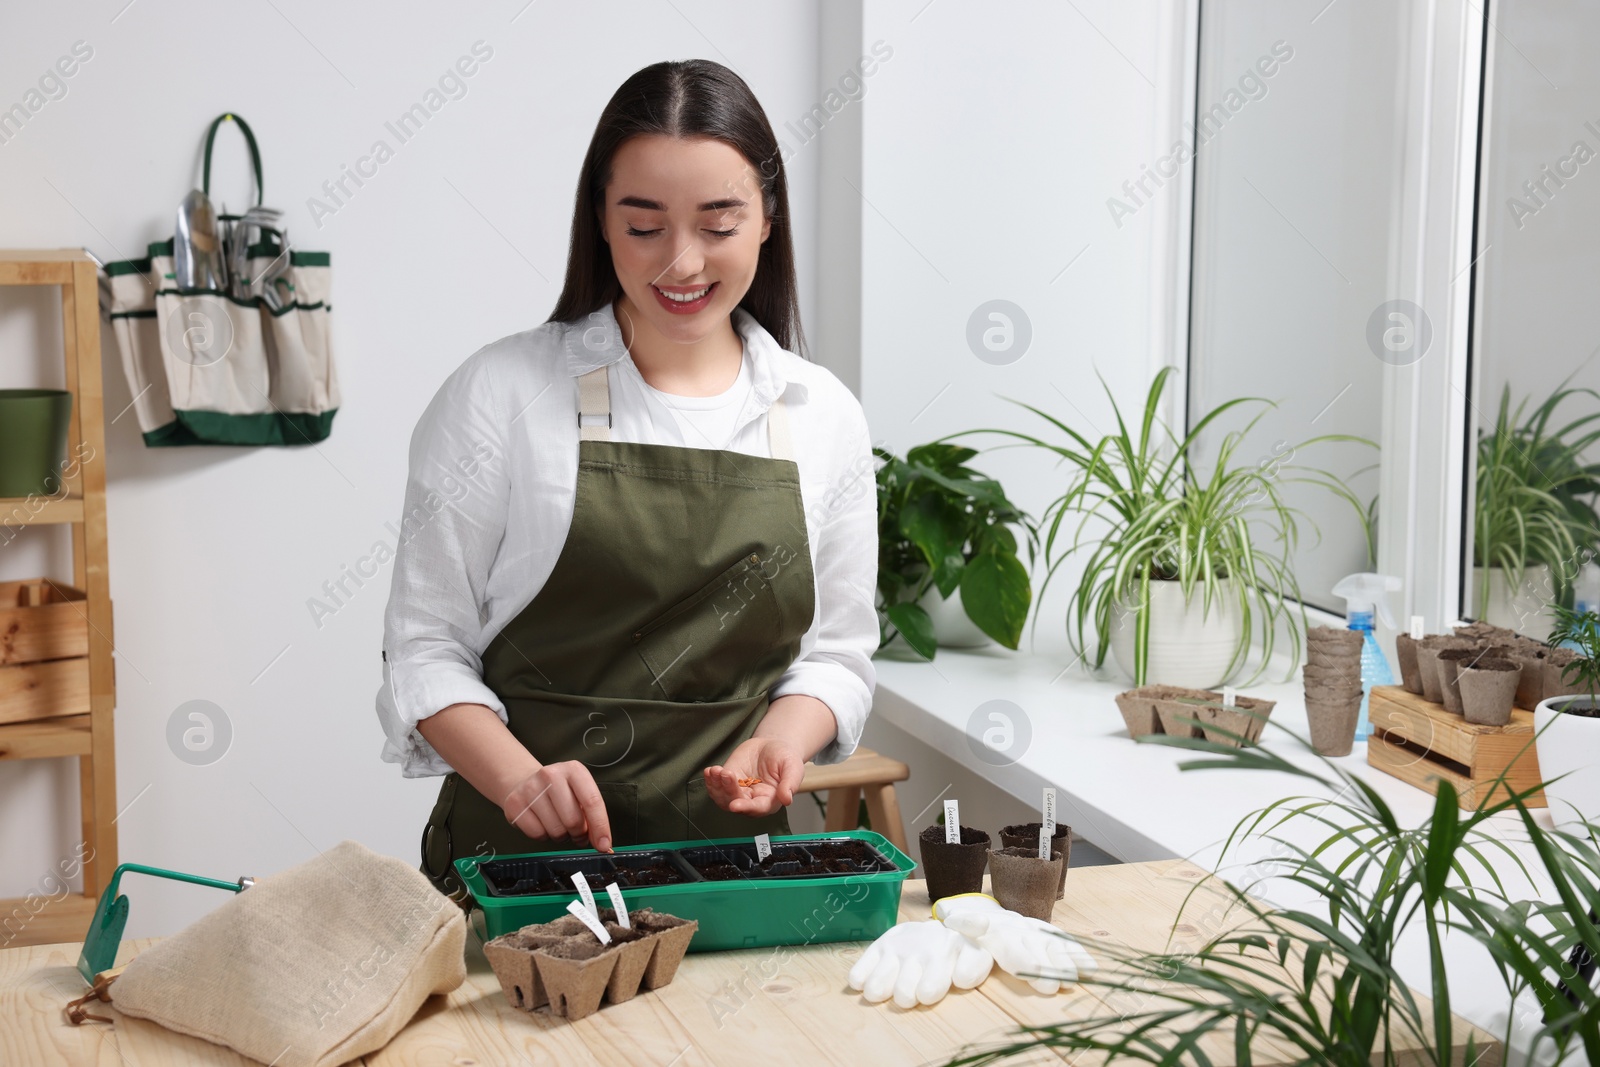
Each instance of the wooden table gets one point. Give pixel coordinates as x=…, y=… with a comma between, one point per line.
x=755, y=1006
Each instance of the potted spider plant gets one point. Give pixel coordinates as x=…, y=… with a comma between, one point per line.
x=948, y=572
x=1182, y=570
x=1567, y=728
x=1534, y=510
x=1323, y=984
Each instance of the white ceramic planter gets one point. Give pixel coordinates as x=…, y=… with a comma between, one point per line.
x=1524, y=608
x=1569, y=745
x=1188, y=646
x=951, y=626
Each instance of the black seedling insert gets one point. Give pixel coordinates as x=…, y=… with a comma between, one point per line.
x=818, y=858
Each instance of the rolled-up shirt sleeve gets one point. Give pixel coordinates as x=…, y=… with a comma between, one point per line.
x=456, y=498
x=835, y=661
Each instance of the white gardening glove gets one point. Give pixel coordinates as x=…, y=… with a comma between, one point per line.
x=918, y=962
x=1021, y=945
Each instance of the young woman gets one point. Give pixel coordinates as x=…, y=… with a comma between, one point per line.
x=634, y=593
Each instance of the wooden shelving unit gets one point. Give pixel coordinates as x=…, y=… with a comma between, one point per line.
x=72, y=694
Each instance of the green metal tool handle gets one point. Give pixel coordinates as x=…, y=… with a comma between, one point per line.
x=177, y=876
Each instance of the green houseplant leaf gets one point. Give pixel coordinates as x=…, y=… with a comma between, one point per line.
x=943, y=525
x=1324, y=986
x=1139, y=507
x=934, y=524
x=914, y=625
x=1535, y=492
x=1581, y=629
x=995, y=591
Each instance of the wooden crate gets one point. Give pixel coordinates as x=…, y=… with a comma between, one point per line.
x=1420, y=742
x=44, y=651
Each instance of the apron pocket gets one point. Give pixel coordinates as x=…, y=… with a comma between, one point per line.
x=622, y=811
x=711, y=645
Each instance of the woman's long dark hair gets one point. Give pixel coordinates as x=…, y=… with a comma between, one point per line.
x=685, y=99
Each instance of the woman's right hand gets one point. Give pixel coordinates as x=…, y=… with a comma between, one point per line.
x=560, y=800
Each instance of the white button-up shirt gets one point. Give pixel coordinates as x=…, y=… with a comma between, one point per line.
x=489, y=500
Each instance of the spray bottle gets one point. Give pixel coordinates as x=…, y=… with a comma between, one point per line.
x=1586, y=590
x=1363, y=594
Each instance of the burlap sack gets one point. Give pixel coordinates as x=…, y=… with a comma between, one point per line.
x=311, y=967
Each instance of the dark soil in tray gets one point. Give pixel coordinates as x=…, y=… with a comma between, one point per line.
x=819, y=859
x=720, y=872
x=855, y=852
x=652, y=875
x=561, y=882
x=531, y=875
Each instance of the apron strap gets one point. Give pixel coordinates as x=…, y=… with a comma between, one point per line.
x=594, y=405
x=778, y=430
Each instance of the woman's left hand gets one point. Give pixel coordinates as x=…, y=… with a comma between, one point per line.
x=775, y=761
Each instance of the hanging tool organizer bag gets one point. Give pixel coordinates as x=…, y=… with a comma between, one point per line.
x=224, y=330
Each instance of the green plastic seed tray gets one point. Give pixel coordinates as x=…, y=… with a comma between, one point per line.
x=813, y=888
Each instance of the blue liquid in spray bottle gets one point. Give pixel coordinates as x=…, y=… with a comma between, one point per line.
x=1365, y=596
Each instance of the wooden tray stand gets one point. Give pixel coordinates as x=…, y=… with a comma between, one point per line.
x=1420, y=742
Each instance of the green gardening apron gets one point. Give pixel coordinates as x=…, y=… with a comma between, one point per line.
x=678, y=599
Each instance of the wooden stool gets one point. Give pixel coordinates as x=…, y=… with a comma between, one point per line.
x=867, y=771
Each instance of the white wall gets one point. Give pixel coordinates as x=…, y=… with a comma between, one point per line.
x=988, y=145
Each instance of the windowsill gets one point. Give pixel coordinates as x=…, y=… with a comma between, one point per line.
x=1129, y=798
x=1132, y=800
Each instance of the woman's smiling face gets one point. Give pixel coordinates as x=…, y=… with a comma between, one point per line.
x=681, y=217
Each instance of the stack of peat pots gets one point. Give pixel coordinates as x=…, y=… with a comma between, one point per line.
x=1332, y=679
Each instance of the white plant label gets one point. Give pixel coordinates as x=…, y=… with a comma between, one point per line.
x=1416, y=627
x=1229, y=696
x=952, y=823
x=763, y=846
x=582, y=885
x=1047, y=825
x=618, y=905
x=590, y=919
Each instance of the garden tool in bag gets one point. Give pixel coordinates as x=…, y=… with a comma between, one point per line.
x=224, y=330
x=310, y=967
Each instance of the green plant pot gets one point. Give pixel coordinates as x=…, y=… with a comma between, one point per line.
x=33, y=440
